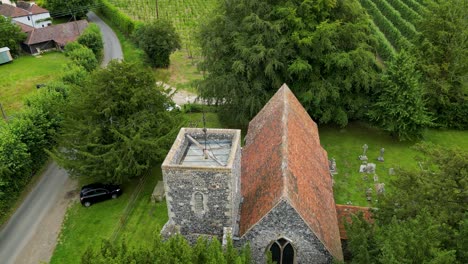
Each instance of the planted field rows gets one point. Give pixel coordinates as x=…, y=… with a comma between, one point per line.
x=394, y=23
x=185, y=14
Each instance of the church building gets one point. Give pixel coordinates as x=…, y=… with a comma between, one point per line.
x=274, y=193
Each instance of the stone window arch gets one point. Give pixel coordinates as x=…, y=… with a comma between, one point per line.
x=198, y=203
x=282, y=251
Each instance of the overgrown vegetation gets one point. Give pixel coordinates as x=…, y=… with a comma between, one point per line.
x=173, y=250
x=424, y=219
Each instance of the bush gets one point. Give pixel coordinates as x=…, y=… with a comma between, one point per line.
x=92, y=39
x=158, y=40
x=83, y=57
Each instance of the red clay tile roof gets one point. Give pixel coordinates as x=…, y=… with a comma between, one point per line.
x=25, y=28
x=283, y=158
x=345, y=212
x=12, y=11
x=61, y=33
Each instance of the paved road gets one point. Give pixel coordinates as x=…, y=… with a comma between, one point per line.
x=112, y=49
x=24, y=222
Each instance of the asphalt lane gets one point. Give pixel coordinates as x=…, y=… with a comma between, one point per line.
x=112, y=48
x=24, y=222
x=22, y=225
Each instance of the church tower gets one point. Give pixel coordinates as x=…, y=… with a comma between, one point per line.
x=202, y=182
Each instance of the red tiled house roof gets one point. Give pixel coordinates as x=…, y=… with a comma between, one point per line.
x=283, y=159
x=12, y=11
x=345, y=212
x=61, y=33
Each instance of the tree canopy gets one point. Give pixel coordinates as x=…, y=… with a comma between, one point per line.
x=400, y=107
x=10, y=35
x=444, y=61
x=321, y=49
x=116, y=124
x=424, y=219
x=74, y=8
x=158, y=39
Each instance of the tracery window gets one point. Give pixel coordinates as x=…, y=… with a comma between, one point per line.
x=282, y=252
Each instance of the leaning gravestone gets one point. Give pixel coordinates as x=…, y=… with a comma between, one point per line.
x=332, y=166
x=391, y=171
x=158, y=192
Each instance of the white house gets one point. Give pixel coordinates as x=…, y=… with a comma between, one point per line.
x=28, y=14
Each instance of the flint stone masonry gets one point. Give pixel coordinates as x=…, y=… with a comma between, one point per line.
x=219, y=186
x=283, y=221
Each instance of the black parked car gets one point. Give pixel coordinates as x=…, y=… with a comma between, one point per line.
x=97, y=192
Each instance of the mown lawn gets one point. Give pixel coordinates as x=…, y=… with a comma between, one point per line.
x=19, y=78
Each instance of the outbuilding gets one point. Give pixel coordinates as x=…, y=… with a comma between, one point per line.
x=5, y=55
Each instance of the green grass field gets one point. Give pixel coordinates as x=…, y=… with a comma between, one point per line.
x=185, y=14
x=19, y=78
x=345, y=145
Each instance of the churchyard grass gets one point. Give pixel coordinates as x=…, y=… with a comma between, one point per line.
x=345, y=145
x=19, y=78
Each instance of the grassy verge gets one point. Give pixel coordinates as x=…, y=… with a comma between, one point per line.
x=182, y=72
x=19, y=78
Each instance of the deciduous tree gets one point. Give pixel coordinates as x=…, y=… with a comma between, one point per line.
x=74, y=8
x=158, y=39
x=10, y=35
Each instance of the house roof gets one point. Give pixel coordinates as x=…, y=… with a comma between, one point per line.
x=283, y=159
x=345, y=213
x=25, y=28
x=60, y=33
x=31, y=8
x=12, y=11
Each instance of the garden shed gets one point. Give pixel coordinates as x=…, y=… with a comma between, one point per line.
x=5, y=55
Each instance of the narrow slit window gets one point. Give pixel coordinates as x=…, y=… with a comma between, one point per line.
x=198, y=206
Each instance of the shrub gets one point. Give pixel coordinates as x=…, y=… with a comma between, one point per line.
x=158, y=40
x=92, y=39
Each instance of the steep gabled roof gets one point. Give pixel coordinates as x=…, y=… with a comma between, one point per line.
x=60, y=33
x=12, y=11
x=283, y=159
x=345, y=213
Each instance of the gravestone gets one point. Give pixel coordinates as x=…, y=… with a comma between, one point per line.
x=381, y=158
x=369, y=194
x=332, y=166
x=364, y=151
x=158, y=192
x=380, y=188
x=367, y=168
x=391, y=171
x=376, y=178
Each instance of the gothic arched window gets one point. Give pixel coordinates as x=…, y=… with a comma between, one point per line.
x=282, y=252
